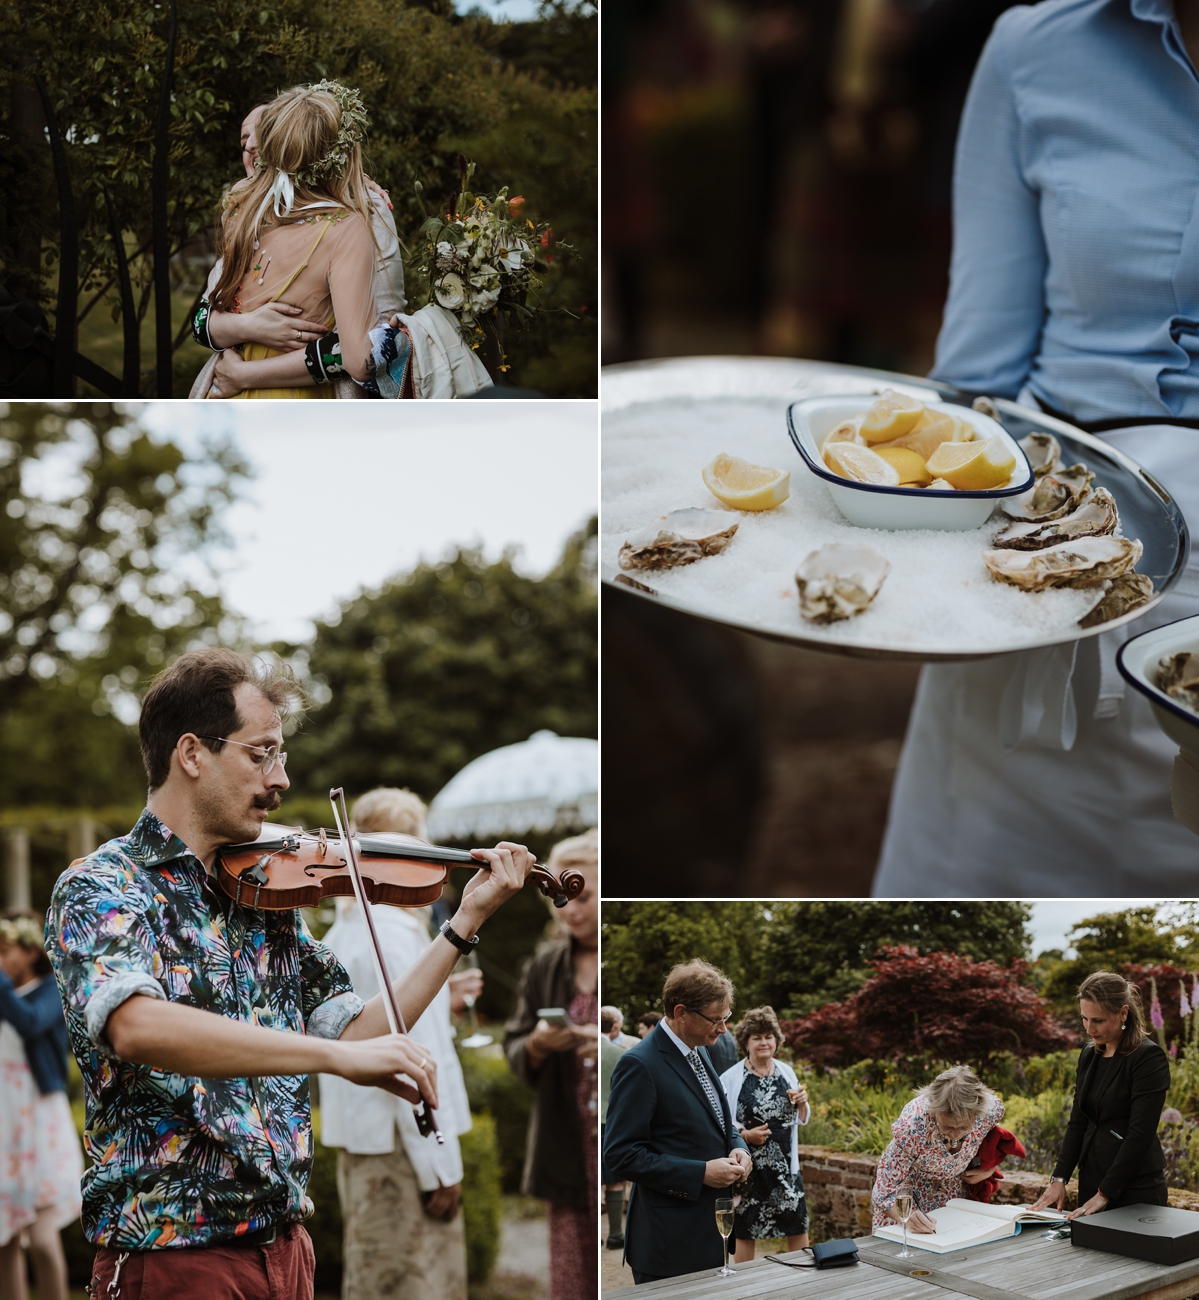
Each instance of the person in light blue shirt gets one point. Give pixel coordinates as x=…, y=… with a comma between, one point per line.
x=1074, y=287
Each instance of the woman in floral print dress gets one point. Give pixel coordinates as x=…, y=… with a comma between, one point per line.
x=934, y=1140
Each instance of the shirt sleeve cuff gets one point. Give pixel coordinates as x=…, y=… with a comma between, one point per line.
x=109, y=996
x=329, y=1020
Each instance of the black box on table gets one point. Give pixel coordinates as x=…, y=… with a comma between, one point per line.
x=1157, y=1233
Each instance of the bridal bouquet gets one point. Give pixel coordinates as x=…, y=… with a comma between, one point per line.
x=479, y=256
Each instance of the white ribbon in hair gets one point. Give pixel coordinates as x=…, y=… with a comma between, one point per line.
x=282, y=194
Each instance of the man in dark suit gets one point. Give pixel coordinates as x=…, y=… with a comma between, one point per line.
x=670, y=1133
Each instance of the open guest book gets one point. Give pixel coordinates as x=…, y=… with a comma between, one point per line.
x=969, y=1223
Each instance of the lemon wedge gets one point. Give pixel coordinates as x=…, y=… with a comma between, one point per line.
x=846, y=431
x=973, y=466
x=744, y=486
x=860, y=464
x=931, y=430
x=910, y=466
x=890, y=417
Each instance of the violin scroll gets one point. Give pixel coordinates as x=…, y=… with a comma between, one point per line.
x=561, y=886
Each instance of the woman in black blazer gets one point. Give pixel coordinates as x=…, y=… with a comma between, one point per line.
x=1120, y=1089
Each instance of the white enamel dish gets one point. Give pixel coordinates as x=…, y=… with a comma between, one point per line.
x=1138, y=660
x=871, y=506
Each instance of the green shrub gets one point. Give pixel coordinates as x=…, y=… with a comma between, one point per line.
x=325, y=1227
x=481, y=1198
x=1040, y=1123
x=492, y=1087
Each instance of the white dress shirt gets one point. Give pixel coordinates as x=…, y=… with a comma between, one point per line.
x=364, y=1120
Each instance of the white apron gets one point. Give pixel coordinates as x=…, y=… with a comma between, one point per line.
x=1037, y=774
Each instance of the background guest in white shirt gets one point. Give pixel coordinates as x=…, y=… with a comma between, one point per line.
x=400, y=1193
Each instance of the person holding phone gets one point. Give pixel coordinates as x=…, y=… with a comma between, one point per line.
x=552, y=1043
x=768, y=1104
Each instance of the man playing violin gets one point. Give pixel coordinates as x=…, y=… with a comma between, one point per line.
x=196, y=1021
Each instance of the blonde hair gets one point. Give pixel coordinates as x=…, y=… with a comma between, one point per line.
x=959, y=1093
x=578, y=851
x=387, y=808
x=1113, y=992
x=296, y=130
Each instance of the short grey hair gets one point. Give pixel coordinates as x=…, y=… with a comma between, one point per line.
x=959, y=1093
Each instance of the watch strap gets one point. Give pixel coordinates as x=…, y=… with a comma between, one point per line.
x=463, y=945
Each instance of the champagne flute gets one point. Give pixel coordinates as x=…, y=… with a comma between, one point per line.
x=724, y=1225
x=475, y=1038
x=903, y=1207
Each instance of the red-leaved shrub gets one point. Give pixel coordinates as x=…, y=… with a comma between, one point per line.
x=952, y=1008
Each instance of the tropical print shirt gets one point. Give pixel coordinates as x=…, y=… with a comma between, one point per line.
x=183, y=1161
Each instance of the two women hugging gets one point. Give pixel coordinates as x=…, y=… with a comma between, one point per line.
x=947, y=1143
x=307, y=299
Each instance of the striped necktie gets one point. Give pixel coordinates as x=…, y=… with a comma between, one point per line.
x=705, y=1080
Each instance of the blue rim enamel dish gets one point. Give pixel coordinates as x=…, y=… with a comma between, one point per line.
x=1137, y=660
x=871, y=505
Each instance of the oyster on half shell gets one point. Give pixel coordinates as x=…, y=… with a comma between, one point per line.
x=1097, y=517
x=1083, y=563
x=839, y=580
x=1178, y=676
x=680, y=537
x=1044, y=453
x=1125, y=593
x=1052, y=496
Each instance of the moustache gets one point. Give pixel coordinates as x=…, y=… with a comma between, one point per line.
x=268, y=802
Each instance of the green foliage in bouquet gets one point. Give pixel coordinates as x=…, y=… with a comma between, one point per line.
x=480, y=258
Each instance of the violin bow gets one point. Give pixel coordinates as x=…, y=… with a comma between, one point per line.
x=426, y=1118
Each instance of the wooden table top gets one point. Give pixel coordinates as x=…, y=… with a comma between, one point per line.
x=1024, y=1267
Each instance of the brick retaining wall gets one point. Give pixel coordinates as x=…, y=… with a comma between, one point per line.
x=837, y=1185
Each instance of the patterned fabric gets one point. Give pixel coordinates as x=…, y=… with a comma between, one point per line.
x=705, y=1080
x=200, y=326
x=59, y=1159
x=773, y=1204
x=392, y=1247
x=186, y=1161
x=322, y=358
x=573, y=1229
x=390, y=371
x=918, y=1160
x=18, y=1137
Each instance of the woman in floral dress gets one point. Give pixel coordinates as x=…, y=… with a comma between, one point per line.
x=767, y=1102
x=934, y=1140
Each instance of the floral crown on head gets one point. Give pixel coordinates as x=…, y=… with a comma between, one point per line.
x=22, y=930
x=350, y=131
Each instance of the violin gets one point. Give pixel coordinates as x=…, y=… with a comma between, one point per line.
x=296, y=868
x=290, y=867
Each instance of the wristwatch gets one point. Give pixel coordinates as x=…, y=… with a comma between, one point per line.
x=463, y=945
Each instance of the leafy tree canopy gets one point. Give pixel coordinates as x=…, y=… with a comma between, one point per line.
x=946, y=1006
x=1112, y=940
x=445, y=663
x=93, y=599
x=819, y=952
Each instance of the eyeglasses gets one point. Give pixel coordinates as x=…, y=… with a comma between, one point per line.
x=724, y=1020
x=265, y=758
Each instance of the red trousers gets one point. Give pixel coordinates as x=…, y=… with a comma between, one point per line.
x=281, y=1271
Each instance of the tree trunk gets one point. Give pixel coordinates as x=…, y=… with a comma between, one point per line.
x=131, y=374
x=68, y=256
x=158, y=211
x=22, y=206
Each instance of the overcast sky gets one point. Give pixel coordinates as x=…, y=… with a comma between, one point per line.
x=345, y=495
x=1053, y=918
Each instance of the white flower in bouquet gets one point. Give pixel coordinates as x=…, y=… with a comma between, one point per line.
x=451, y=292
x=512, y=257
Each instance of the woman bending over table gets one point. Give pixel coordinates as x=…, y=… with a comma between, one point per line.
x=935, y=1138
x=1119, y=1092
x=768, y=1103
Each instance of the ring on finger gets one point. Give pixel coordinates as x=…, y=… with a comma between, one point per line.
x=424, y=1060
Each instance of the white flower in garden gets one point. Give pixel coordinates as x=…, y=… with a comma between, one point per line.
x=450, y=291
